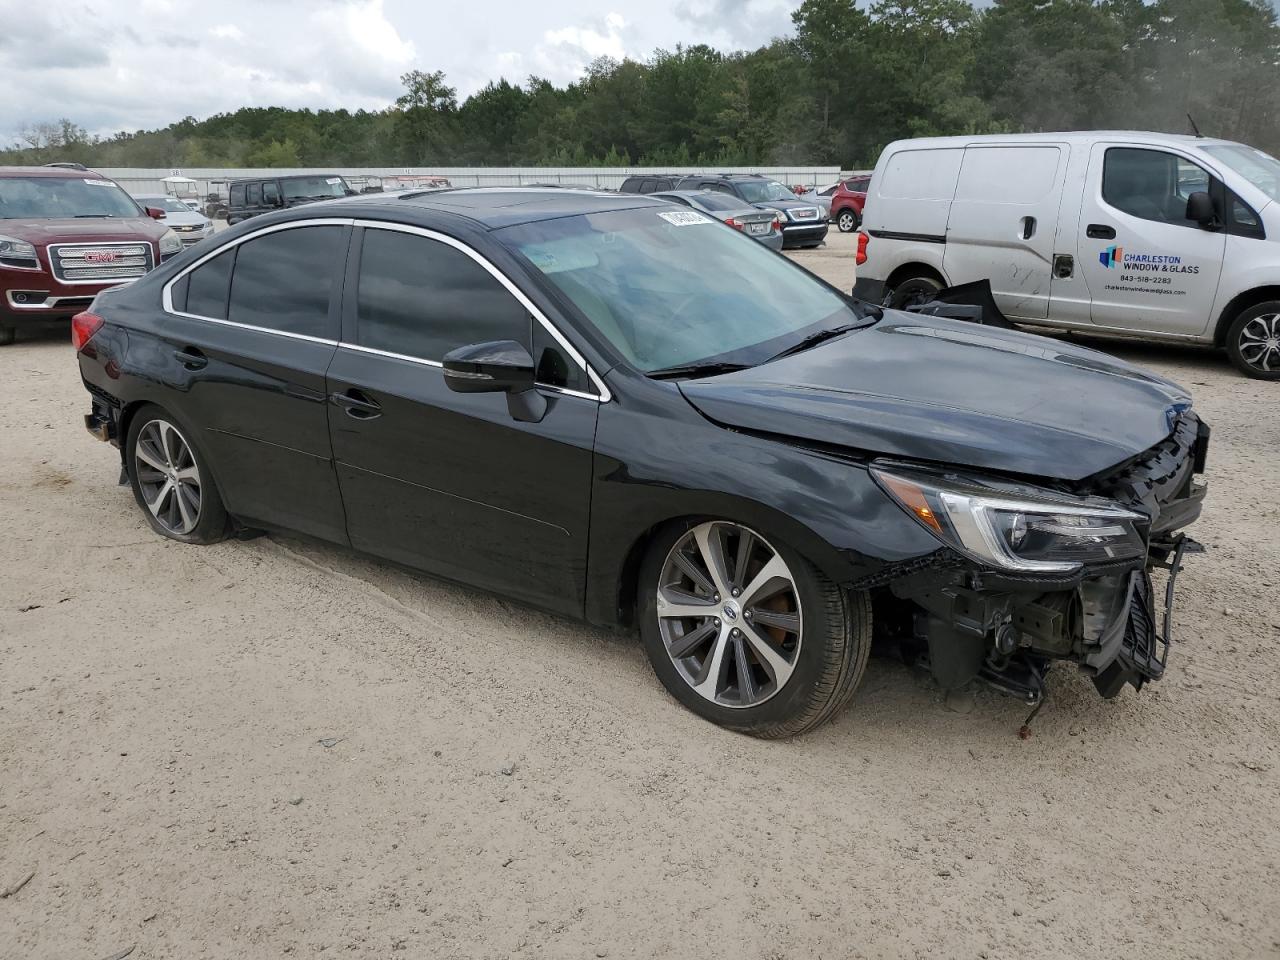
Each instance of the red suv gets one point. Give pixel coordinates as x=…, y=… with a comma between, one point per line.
x=847, y=202
x=65, y=234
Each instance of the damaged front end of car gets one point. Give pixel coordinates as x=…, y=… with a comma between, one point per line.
x=1030, y=574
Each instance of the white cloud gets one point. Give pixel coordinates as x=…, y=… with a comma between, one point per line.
x=109, y=70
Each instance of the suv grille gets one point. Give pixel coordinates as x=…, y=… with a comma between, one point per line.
x=804, y=213
x=96, y=262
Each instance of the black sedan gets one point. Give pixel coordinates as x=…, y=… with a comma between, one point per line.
x=621, y=411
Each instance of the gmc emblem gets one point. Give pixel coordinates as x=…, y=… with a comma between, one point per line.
x=102, y=256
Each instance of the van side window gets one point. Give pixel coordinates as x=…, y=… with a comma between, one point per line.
x=1151, y=184
x=422, y=298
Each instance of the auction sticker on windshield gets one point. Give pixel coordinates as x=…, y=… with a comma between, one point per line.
x=685, y=218
x=100, y=183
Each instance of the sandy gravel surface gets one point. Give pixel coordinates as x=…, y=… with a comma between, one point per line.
x=273, y=748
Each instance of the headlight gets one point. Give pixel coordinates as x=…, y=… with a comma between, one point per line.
x=18, y=253
x=170, y=243
x=782, y=215
x=1020, y=530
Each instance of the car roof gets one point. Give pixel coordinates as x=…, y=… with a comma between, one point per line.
x=290, y=176
x=490, y=208
x=57, y=173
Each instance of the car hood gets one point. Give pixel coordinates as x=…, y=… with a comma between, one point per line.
x=74, y=230
x=941, y=390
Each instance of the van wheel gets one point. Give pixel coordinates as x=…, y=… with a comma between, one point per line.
x=913, y=291
x=847, y=221
x=1253, y=341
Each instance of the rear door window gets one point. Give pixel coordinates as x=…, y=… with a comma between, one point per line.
x=253, y=195
x=284, y=280
x=271, y=193
x=421, y=298
x=203, y=291
x=237, y=194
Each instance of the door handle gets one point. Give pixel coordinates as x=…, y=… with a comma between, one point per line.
x=191, y=358
x=1028, y=227
x=357, y=404
x=1100, y=231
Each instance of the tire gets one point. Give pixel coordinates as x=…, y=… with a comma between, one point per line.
x=7, y=335
x=847, y=220
x=1253, y=341
x=912, y=291
x=817, y=632
x=171, y=481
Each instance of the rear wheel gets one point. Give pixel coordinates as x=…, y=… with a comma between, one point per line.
x=171, y=480
x=847, y=221
x=1253, y=341
x=747, y=633
x=913, y=291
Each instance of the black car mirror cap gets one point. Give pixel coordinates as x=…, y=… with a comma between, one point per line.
x=492, y=367
x=1200, y=209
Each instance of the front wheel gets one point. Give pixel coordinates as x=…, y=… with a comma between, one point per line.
x=171, y=480
x=847, y=221
x=1253, y=341
x=747, y=633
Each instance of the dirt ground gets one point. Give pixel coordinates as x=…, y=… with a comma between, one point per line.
x=272, y=748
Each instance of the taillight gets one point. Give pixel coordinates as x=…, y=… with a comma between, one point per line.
x=735, y=223
x=863, y=240
x=83, y=327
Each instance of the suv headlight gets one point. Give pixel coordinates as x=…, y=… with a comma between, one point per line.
x=18, y=253
x=782, y=214
x=170, y=243
x=1022, y=530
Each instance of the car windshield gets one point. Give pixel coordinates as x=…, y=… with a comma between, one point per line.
x=304, y=188
x=759, y=191
x=168, y=204
x=670, y=287
x=1260, y=169
x=48, y=198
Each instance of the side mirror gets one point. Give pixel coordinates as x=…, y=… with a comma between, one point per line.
x=500, y=366
x=155, y=213
x=1200, y=209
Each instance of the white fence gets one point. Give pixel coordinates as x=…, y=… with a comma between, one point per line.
x=210, y=180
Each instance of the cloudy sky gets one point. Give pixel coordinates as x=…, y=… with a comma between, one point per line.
x=108, y=69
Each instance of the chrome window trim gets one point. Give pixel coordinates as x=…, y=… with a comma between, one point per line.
x=166, y=297
x=604, y=395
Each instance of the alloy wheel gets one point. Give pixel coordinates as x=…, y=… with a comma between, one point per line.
x=168, y=476
x=845, y=222
x=1259, y=342
x=729, y=614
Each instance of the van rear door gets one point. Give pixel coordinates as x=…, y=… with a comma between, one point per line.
x=1146, y=265
x=1002, y=223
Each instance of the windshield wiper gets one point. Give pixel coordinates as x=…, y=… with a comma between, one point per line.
x=695, y=370
x=93, y=216
x=818, y=337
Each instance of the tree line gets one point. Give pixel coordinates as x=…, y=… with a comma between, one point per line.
x=851, y=79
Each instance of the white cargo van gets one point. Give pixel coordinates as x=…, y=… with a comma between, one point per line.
x=1165, y=236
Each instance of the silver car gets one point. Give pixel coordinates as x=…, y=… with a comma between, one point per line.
x=190, y=226
x=762, y=225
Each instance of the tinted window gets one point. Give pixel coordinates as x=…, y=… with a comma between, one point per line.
x=554, y=367
x=631, y=185
x=422, y=298
x=282, y=281
x=648, y=186
x=254, y=195
x=207, y=287
x=237, y=194
x=271, y=193
x=1151, y=184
